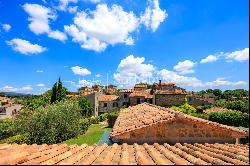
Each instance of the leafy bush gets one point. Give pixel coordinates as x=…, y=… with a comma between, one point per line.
x=103, y=117
x=200, y=115
x=231, y=118
x=84, y=124
x=185, y=108
x=94, y=120
x=19, y=139
x=86, y=108
x=112, y=118
x=6, y=128
x=53, y=124
x=239, y=105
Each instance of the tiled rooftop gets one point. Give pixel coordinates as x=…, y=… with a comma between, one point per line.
x=144, y=93
x=143, y=115
x=163, y=84
x=178, y=154
x=107, y=97
x=175, y=91
x=126, y=90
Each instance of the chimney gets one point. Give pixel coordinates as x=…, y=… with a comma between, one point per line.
x=160, y=84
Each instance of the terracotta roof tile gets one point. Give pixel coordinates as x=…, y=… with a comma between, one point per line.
x=126, y=90
x=178, y=154
x=107, y=97
x=143, y=115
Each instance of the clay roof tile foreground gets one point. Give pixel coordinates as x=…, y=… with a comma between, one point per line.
x=107, y=97
x=156, y=154
x=145, y=114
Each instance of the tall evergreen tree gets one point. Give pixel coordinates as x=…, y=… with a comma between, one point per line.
x=58, y=92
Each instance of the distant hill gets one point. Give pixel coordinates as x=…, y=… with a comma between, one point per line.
x=14, y=94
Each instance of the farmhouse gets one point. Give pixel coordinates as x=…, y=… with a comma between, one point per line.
x=146, y=123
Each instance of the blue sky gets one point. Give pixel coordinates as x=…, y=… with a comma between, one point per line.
x=196, y=44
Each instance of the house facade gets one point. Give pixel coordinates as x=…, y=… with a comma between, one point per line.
x=146, y=123
x=108, y=103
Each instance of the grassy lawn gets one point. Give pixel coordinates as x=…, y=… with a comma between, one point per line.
x=93, y=135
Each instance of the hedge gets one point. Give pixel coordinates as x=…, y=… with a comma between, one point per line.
x=231, y=118
x=112, y=118
x=19, y=139
x=6, y=128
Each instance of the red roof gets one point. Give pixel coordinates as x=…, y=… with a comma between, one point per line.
x=156, y=154
x=107, y=97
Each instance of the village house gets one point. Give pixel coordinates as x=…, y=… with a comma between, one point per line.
x=97, y=88
x=84, y=91
x=138, y=97
x=198, y=101
x=107, y=103
x=147, y=123
x=111, y=89
x=140, y=87
x=124, y=96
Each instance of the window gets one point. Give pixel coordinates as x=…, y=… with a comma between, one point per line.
x=125, y=96
x=115, y=104
x=105, y=104
x=138, y=100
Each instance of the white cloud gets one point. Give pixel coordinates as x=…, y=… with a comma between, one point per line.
x=153, y=15
x=185, y=67
x=93, y=1
x=209, y=58
x=241, y=55
x=39, y=17
x=80, y=71
x=26, y=88
x=96, y=29
x=71, y=82
x=39, y=71
x=64, y=4
x=72, y=9
x=223, y=82
x=25, y=47
x=133, y=69
x=84, y=83
x=98, y=75
x=40, y=85
x=6, y=27
x=171, y=76
x=8, y=89
x=57, y=35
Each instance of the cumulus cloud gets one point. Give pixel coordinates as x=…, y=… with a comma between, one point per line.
x=240, y=55
x=64, y=4
x=185, y=67
x=98, y=75
x=133, y=69
x=25, y=47
x=171, y=76
x=103, y=26
x=7, y=88
x=57, y=35
x=80, y=71
x=153, y=15
x=39, y=71
x=93, y=1
x=40, y=17
x=96, y=29
x=40, y=85
x=6, y=27
x=82, y=83
x=223, y=82
x=209, y=58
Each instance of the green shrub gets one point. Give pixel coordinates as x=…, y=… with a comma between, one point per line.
x=200, y=115
x=185, y=108
x=103, y=117
x=84, y=124
x=94, y=120
x=53, y=124
x=19, y=139
x=112, y=118
x=6, y=128
x=231, y=118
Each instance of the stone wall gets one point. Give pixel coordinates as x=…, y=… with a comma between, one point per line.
x=168, y=100
x=133, y=100
x=92, y=98
x=109, y=107
x=122, y=99
x=178, y=131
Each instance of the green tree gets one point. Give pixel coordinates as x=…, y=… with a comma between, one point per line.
x=86, y=109
x=58, y=92
x=217, y=93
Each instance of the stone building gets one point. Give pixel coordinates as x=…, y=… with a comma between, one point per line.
x=93, y=100
x=198, y=101
x=111, y=89
x=169, y=98
x=138, y=97
x=146, y=123
x=108, y=103
x=84, y=91
x=124, y=96
x=140, y=87
x=97, y=88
